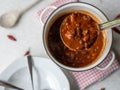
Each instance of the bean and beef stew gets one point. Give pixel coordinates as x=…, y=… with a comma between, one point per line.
x=86, y=31
x=79, y=31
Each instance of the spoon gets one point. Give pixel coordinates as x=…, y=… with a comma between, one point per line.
x=30, y=66
x=78, y=46
x=9, y=20
x=8, y=85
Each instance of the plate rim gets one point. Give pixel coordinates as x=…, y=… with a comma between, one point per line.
x=18, y=65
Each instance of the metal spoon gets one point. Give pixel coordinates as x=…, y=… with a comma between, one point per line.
x=8, y=85
x=30, y=66
x=103, y=26
x=8, y=20
x=109, y=24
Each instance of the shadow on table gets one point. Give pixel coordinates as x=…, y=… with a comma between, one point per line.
x=73, y=83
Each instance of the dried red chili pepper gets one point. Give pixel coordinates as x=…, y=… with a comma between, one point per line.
x=27, y=53
x=11, y=37
x=117, y=29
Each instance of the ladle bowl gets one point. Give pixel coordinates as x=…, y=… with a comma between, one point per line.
x=79, y=31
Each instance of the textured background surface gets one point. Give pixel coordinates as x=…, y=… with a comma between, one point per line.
x=28, y=33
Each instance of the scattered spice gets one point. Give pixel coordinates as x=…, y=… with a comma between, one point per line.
x=11, y=37
x=102, y=89
x=118, y=16
x=27, y=53
x=117, y=29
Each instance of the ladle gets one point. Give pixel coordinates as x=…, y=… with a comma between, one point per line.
x=101, y=27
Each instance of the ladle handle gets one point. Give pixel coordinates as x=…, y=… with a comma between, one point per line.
x=110, y=24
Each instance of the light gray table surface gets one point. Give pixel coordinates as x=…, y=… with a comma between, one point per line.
x=29, y=34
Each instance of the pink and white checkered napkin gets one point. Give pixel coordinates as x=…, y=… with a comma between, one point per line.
x=91, y=76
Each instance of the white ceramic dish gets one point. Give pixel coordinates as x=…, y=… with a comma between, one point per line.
x=47, y=75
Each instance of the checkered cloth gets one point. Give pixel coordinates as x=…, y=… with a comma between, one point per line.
x=91, y=76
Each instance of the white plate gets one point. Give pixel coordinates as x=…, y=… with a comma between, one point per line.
x=47, y=75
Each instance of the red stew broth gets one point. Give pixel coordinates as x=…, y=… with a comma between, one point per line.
x=73, y=58
x=79, y=31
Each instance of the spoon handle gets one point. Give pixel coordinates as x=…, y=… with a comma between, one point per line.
x=30, y=66
x=29, y=6
x=110, y=24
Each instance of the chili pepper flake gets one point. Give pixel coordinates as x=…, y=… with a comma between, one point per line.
x=26, y=53
x=11, y=37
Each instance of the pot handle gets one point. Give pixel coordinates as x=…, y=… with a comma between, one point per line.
x=109, y=64
x=43, y=12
